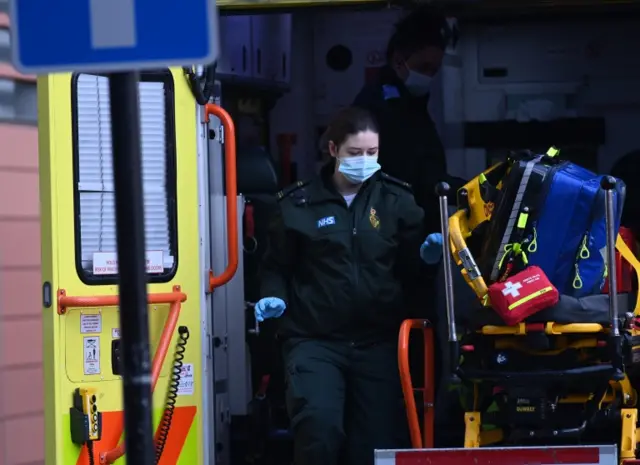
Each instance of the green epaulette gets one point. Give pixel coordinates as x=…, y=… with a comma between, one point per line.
x=287, y=191
x=396, y=181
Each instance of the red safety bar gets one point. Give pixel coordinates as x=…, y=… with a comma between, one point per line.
x=174, y=298
x=231, y=186
x=419, y=439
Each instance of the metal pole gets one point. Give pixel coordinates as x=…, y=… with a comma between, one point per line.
x=134, y=325
x=608, y=184
x=442, y=190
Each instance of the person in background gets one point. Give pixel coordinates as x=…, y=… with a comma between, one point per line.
x=410, y=147
x=341, y=248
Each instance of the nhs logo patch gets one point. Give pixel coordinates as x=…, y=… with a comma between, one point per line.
x=327, y=221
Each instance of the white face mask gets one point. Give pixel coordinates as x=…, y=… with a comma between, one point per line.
x=418, y=84
x=359, y=168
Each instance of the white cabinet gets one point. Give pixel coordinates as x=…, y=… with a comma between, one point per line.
x=271, y=39
x=235, y=46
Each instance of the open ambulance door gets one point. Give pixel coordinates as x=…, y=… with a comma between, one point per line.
x=83, y=390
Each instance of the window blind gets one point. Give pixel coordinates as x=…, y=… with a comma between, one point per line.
x=95, y=169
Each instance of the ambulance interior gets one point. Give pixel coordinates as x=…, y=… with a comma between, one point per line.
x=527, y=76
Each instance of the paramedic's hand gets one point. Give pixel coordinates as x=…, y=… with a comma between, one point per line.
x=431, y=249
x=269, y=307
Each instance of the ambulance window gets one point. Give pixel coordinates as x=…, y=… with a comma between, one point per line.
x=96, y=259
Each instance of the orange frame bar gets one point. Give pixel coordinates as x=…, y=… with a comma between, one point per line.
x=419, y=439
x=175, y=298
x=231, y=187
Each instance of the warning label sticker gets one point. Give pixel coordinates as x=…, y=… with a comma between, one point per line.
x=90, y=323
x=106, y=263
x=185, y=388
x=91, y=355
x=115, y=333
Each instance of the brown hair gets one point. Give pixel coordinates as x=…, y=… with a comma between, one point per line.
x=345, y=123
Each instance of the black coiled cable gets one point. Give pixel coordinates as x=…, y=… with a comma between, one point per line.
x=202, y=89
x=172, y=391
x=92, y=460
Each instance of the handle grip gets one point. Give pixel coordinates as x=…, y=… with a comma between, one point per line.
x=231, y=194
x=443, y=189
x=256, y=328
x=608, y=183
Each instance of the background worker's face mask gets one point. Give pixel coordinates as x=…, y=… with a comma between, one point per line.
x=418, y=84
x=358, y=169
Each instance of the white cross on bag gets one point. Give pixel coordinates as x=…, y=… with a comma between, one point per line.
x=511, y=289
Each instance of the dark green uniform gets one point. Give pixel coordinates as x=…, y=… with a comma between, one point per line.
x=340, y=270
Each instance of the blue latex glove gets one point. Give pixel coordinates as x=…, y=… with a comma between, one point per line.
x=431, y=249
x=269, y=307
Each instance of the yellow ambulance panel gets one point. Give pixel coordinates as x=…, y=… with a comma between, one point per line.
x=80, y=303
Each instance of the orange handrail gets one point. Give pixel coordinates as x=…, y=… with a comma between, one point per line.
x=231, y=188
x=174, y=298
x=418, y=440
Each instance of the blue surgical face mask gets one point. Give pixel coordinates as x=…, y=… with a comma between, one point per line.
x=359, y=168
x=418, y=84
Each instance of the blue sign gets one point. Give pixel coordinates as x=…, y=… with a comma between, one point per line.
x=112, y=35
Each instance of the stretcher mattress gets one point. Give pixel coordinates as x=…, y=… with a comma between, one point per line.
x=470, y=314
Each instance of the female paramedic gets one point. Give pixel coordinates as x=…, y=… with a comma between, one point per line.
x=340, y=248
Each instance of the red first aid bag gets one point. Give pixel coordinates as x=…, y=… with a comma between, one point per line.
x=522, y=295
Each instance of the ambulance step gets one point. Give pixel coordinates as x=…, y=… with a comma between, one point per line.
x=578, y=455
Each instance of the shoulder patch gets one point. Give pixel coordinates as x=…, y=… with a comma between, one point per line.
x=287, y=191
x=396, y=181
x=389, y=92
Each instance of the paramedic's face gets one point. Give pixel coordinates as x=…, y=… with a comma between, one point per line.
x=362, y=143
x=426, y=61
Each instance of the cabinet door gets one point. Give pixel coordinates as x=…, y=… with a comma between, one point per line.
x=235, y=46
x=283, y=48
x=271, y=38
x=262, y=34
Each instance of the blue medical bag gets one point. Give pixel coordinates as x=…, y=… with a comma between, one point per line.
x=551, y=214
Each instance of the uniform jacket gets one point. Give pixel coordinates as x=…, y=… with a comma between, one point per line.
x=344, y=272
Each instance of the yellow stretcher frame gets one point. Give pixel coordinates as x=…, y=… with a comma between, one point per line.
x=459, y=231
x=506, y=337
x=69, y=296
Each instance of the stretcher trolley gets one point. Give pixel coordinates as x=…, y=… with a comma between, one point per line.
x=558, y=387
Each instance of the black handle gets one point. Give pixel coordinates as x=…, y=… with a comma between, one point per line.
x=608, y=183
x=284, y=66
x=259, y=61
x=454, y=353
x=244, y=59
x=442, y=189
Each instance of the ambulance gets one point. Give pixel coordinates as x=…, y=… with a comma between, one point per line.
x=219, y=141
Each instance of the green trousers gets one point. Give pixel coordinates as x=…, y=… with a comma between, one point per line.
x=344, y=401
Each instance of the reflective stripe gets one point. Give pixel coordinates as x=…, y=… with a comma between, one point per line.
x=515, y=211
x=530, y=297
